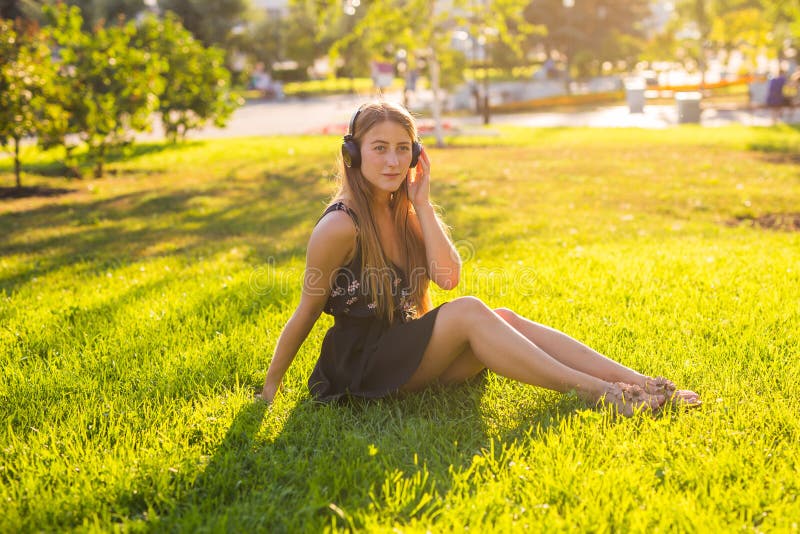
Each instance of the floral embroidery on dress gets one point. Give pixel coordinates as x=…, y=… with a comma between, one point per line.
x=407, y=306
x=353, y=287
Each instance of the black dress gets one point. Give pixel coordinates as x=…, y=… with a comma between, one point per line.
x=362, y=354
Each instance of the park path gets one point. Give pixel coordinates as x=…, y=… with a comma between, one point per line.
x=332, y=114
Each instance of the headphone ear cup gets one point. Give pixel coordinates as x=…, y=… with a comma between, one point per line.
x=351, y=154
x=416, y=150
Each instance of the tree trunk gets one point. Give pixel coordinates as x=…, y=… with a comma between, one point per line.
x=101, y=156
x=72, y=169
x=17, y=165
x=436, y=106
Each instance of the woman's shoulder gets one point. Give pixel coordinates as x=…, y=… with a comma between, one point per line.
x=339, y=214
x=333, y=242
x=341, y=205
x=336, y=226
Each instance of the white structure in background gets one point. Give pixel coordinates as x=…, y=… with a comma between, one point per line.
x=661, y=12
x=277, y=9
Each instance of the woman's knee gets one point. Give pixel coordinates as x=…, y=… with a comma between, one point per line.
x=472, y=307
x=469, y=307
x=465, y=312
x=507, y=315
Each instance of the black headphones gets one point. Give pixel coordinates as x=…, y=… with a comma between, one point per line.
x=351, y=153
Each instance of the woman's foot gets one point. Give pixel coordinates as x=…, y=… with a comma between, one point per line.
x=628, y=399
x=677, y=397
x=660, y=386
x=684, y=398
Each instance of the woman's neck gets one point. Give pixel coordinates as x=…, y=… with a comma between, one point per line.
x=380, y=201
x=381, y=206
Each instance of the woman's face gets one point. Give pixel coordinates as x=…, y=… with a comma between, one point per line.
x=385, y=156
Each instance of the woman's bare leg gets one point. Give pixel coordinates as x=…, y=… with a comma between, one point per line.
x=578, y=356
x=466, y=328
x=572, y=352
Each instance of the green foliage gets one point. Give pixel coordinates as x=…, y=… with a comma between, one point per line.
x=28, y=10
x=785, y=16
x=111, y=87
x=27, y=88
x=303, y=35
x=265, y=42
x=100, y=12
x=749, y=25
x=114, y=78
x=210, y=22
x=590, y=32
x=196, y=82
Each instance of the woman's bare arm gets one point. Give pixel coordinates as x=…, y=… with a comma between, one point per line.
x=444, y=264
x=331, y=243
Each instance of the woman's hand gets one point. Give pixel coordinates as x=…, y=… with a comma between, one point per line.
x=419, y=188
x=268, y=393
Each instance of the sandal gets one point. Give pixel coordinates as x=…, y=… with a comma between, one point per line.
x=677, y=397
x=628, y=399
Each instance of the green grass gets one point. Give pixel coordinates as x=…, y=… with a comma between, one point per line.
x=139, y=312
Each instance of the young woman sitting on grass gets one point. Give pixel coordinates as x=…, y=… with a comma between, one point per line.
x=370, y=259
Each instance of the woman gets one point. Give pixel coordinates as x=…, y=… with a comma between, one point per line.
x=370, y=259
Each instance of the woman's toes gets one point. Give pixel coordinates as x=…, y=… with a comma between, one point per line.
x=660, y=385
x=687, y=398
x=628, y=399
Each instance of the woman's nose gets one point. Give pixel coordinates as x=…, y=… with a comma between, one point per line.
x=392, y=158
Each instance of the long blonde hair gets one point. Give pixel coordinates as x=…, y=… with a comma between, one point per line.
x=374, y=263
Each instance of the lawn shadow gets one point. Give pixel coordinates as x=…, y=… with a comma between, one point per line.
x=143, y=224
x=335, y=464
x=779, y=150
x=33, y=191
x=57, y=168
x=137, y=150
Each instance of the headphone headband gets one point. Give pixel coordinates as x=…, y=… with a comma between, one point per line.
x=351, y=153
x=351, y=130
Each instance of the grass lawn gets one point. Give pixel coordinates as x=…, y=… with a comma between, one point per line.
x=138, y=314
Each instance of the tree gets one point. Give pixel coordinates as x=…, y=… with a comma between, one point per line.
x=710, y=26
x=264, y=42
x=213, y=23
x=20, y=9
x=198, y=86
x=607, y=30
x=735, y=28
x=424, y=29
x=304, y=34
x=26, y=88
x=784, y=16
x=94, y=12
x=110, y=87
x=699, y=15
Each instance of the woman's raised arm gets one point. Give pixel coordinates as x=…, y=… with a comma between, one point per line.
x=332, y=242
x=444, y=263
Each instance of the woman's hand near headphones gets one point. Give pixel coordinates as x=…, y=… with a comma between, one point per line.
x=419, y=188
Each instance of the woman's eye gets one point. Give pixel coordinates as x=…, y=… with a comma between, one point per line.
x=404, y=148
x=380, y=148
